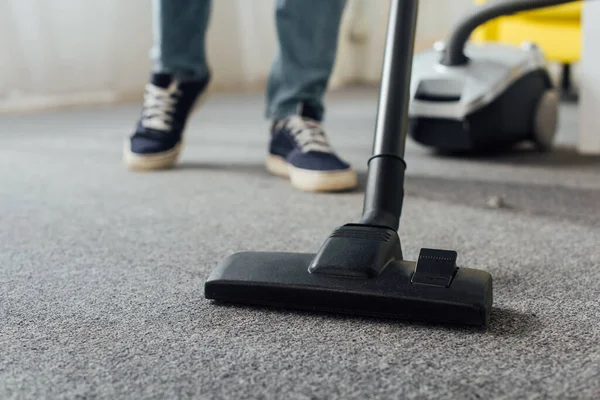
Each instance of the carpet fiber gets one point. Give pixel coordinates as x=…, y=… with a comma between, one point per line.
x=102, y=270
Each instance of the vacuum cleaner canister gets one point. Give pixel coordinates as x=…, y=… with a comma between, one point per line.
x=501, y=97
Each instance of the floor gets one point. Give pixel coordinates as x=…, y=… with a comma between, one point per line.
x=102, y=270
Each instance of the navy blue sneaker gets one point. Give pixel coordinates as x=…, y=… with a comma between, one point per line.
x=300, y=151
x=157, y=140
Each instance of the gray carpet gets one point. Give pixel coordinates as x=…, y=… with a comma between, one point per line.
x=101, y=270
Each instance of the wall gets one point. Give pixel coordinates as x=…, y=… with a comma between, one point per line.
x=589, y=136
x=68, y=52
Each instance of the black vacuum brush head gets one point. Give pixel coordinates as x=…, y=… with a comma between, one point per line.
x=357, y=271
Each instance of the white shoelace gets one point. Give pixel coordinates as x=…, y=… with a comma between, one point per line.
x=159, y=104
x=309, y=135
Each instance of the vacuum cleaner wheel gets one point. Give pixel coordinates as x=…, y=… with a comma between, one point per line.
x=546, y=120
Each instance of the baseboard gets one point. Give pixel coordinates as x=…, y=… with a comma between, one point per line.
x=36, y=103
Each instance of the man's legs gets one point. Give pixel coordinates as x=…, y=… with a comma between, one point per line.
x=308, y=35
x=179, y=74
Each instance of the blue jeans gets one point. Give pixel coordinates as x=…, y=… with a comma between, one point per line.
x=307, y=31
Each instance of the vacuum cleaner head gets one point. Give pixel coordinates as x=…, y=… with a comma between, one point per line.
x=504, y=95
x=359, y=270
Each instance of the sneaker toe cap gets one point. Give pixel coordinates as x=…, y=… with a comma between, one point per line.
x=317, y=161
x=149, y=145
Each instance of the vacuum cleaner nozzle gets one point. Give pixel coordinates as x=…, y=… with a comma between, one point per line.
x=359, y=270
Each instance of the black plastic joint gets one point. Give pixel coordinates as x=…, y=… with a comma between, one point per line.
x=357, y=251
x=435, y=267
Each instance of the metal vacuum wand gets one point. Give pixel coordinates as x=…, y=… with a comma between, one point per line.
x=385, y=183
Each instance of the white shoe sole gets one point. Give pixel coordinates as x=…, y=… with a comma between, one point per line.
x=150, y=162
x=313, y=181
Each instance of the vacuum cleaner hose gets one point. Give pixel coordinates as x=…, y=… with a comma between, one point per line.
x=454, y=52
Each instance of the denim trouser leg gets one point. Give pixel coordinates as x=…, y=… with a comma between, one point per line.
x=308, y=35
x=307, y=32
x=179, y=31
